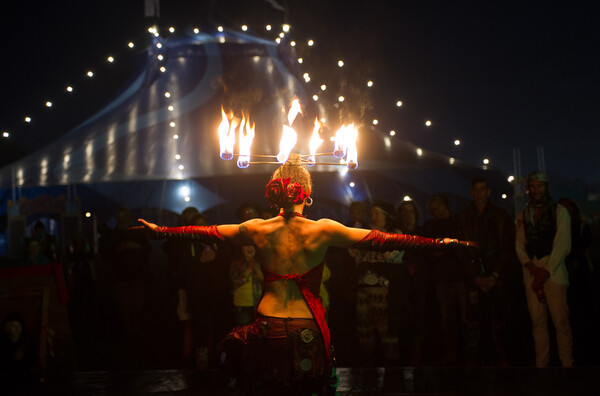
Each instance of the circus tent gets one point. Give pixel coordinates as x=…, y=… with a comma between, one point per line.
x=156, y=144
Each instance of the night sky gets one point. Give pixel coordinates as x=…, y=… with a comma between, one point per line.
x=496, y=75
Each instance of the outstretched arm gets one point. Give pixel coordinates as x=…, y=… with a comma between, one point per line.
x=207, y=234
x=377, y=240
x=358, y=238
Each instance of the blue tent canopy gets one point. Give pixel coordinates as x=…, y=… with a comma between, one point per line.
x=160, y=134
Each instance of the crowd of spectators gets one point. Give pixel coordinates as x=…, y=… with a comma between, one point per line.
x=402, y=308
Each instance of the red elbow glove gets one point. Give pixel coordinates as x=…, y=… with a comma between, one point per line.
x=208, y=234
x=377, y=240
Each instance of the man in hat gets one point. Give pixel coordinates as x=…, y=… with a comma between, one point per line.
x=543, y=242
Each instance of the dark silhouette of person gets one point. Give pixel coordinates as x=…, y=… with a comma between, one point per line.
x=18, y=355
x=48, y=242
x=128, y=254
x=493, y=228
x=449, y=276
x=33, y=253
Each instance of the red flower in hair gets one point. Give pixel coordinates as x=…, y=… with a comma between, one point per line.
x=280, y=193
x=296, y=193
x=277, y=192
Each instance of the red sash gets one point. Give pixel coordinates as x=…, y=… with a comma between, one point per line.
x=310, y=285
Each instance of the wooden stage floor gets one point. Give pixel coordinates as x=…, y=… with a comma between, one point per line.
x=353, y=381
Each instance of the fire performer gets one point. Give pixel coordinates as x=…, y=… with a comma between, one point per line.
x=287, y=348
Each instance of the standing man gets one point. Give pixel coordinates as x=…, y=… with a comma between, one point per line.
x=448, y=274
x=492, y=227
x=543, y=243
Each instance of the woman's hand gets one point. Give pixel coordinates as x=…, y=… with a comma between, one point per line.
x=151, y=226
x=456, y=242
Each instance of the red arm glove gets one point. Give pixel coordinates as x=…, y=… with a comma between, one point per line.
x=204, y=234
x=377, y=240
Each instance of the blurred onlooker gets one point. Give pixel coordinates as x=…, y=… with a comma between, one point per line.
x=408, y=217
x=248, y=210
x=245, y=272
x=357, y=212
x=376, y=321
x=267, y=213
x=246, y=282
x=581, y=239
x=33, y=253
x=175, y=249
x=492, y=227
x=128, y=254
x=178, y=252
x=203, y=297
x=414, y=290
x=341, y=289
x=543, y=242
x=579, y=266
x=81, y=277
x=49, y=245
x=18, y=355
x=449, y=277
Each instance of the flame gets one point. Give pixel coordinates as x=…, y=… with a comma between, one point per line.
x=315, y=142
x=351, y=153
x=226, y=136
x=289, y=136
x=294, y=111
x=287, y=143
x=345, y=139
x=245, y=143
x=340, y=148
x=345, y=145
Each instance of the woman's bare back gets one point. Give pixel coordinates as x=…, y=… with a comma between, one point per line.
x=286, y=245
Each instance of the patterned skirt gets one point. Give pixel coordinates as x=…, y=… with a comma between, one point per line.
x=274, y=355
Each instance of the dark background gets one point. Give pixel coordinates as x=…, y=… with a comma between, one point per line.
x=496, y=75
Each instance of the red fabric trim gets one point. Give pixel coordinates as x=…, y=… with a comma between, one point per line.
x=210, y=232
x=377, y=239
x=40, y=270
x=291, y=214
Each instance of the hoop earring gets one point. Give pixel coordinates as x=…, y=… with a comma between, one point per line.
x=307, y=202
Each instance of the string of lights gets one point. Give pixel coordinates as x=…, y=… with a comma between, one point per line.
x=320, y=92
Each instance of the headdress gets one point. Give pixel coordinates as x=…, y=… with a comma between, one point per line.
x=281, y=193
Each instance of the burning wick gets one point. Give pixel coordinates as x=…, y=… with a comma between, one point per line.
x=345, y=145
x=245, y=143
x=351, y=152
x=227, y=136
